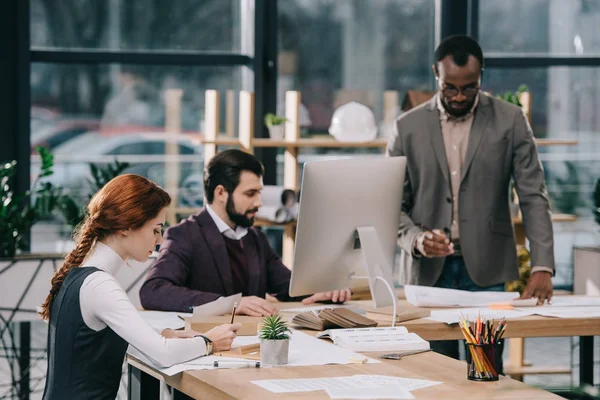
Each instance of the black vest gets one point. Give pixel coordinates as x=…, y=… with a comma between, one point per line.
x=82, y=363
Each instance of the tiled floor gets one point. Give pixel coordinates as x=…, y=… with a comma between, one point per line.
x=539, y=351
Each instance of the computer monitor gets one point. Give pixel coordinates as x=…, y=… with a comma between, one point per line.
x=348, y=225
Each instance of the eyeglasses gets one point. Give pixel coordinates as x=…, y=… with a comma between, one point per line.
x=453, y=91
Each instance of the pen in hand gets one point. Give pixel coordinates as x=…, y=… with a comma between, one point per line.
x=233, y=312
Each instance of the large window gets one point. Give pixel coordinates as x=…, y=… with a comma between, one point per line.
x=552, y=46
x=334, y=52
x=99, y=78
x=551, y=27
x=138, y=24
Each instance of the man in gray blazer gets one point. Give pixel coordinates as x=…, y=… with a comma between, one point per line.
x=462, y=148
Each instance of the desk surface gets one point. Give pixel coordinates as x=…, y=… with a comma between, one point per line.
x=236, y=383
x=531, y=326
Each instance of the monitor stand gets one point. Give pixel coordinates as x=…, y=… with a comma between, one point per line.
x=380, y=273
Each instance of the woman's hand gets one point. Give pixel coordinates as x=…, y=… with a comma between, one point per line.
x=222, y=336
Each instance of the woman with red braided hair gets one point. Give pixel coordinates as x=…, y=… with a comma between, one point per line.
x=91, y=320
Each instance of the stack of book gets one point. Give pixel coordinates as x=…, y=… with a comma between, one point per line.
x=384, y=315
x=332, y=318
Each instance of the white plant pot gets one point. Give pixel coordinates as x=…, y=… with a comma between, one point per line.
x=274, y=352
x=277, y=132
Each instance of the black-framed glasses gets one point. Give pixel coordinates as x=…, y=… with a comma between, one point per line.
x=452, y=91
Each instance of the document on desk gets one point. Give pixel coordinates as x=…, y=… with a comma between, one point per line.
x=387, y=391
x=305, y=350
x=160, y=320
x=425, y=296
x=567, y=312
x=575, y=301
x=375, y=339
x=408, y=383
x=454, y=315
x=221, y=306
x=374, y=385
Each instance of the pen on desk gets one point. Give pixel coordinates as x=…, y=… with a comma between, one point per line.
x=233, y=312
x=236, y=364
x=398, y=356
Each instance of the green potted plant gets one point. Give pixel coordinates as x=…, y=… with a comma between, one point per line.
x=276, y=126
x=274, y=337
x=514, y=97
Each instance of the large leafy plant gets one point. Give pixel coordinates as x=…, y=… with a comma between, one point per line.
x=20, y=211
x=274, y=328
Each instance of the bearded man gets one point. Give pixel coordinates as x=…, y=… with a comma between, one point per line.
x=218, y=252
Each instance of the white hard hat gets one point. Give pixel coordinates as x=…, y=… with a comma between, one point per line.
x=353, y=122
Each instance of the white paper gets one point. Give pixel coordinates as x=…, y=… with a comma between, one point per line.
x=221, y=306
x=366, y=332
x=425, y=296
x=387, y=391
x=407, y=383
x=454, y=315
x=298, y=310
x=354, y=383
x=575, y=301
x=568, y=312
x=304, y=350
x=307, y=385
x=376, y=339
x=160, y=320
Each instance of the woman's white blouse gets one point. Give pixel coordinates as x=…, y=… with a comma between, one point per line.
x=104, y=303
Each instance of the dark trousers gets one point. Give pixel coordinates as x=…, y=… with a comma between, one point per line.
x=455, y=276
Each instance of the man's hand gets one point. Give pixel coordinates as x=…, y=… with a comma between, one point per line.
x=337, y=296
x=255, y=307
x=539, y=286
x=434, y=244
x=222, y=336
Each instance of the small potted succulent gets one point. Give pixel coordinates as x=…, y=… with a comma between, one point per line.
x=274, y=337
x=276, y=126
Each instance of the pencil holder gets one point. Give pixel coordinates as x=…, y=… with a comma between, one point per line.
x=483, y=361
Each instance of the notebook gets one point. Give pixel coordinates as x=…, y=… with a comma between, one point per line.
x=385, y=314
x=332, y=318
x=375, y=339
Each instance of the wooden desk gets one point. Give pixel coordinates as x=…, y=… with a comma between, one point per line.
x=531, y=326
x=235, y=383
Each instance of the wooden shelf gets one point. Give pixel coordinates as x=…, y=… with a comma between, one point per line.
x=542, y=370
x=330, y=142
x=555, y=218
x=326, y=141
x=556, y=142
x=319, y=142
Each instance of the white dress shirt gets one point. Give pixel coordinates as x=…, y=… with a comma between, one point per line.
x=225, y=229
x=104, y=303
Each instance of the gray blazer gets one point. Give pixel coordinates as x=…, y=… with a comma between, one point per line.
x=501, y=146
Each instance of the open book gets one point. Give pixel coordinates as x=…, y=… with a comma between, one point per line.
x=375, y=339
x=332, y=318
x=385, y=314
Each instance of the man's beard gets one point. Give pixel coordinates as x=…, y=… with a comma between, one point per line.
x=239, y=219
x=458, y=113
